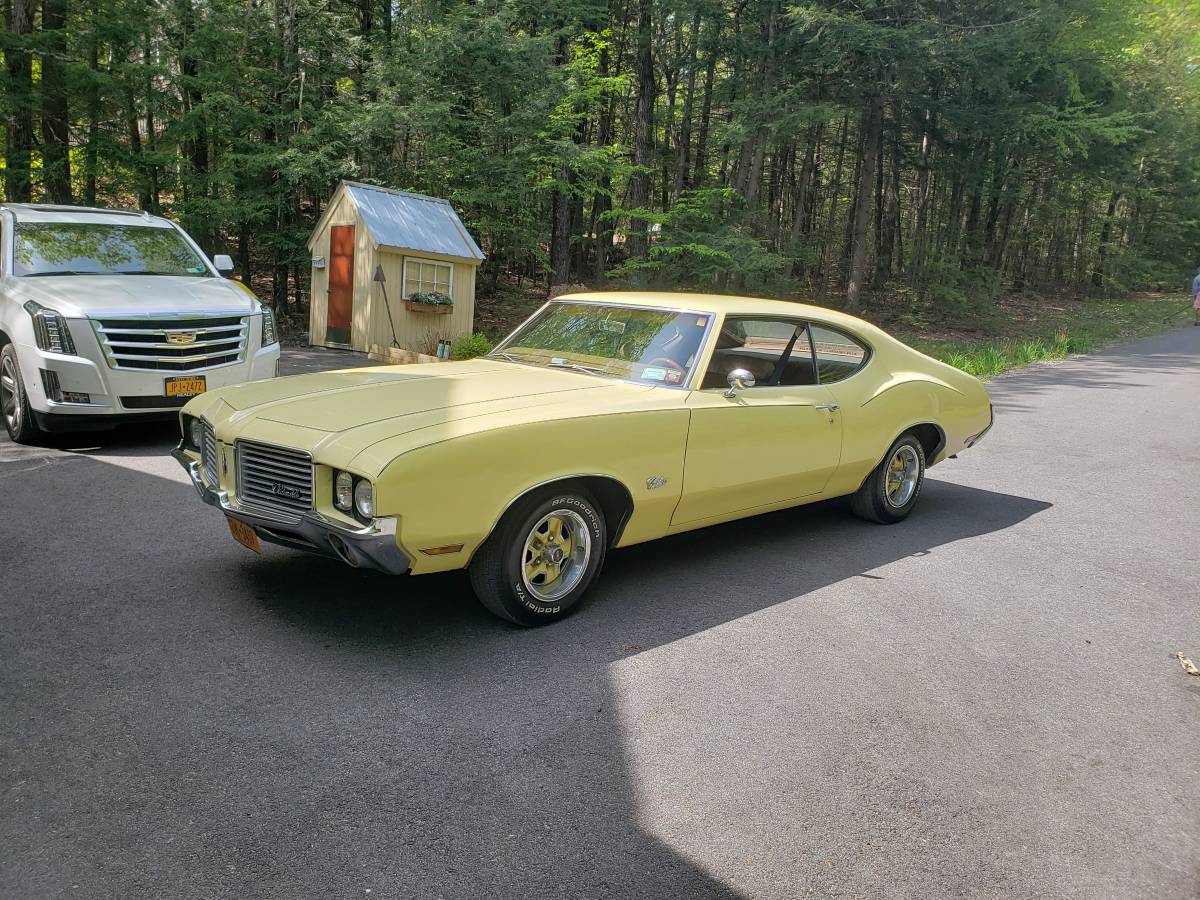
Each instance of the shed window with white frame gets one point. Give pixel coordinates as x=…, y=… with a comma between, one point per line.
x=421, y=276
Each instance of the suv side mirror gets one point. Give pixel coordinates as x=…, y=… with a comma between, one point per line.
x=223, y=263
x=739, y=379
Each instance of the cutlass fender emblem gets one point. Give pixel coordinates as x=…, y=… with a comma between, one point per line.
x=655, y=481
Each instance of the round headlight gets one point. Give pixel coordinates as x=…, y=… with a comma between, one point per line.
x=343, y=490
x=364, y=498
x=196, y=434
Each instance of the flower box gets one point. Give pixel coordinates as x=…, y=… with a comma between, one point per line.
x=440, y=309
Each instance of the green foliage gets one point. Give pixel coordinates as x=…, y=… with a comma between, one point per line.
x=1095, y=324
x=468, y=346
x=1041, y=146
x=704, y=244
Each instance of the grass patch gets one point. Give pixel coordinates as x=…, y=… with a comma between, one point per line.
x=1089, y=326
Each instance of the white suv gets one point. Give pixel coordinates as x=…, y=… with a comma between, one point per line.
x=108, y=316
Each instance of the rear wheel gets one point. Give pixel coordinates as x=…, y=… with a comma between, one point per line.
x=14, y=403
x=891, y=490
x=541, y=558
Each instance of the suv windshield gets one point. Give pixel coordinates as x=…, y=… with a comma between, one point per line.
x=77, y=248
x=645, y=345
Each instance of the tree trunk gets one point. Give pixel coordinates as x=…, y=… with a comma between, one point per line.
x=639, y=181
x=698, y=174
x=56, y=137
x=18, y=185
x=560, y=207
x=602, y=200
x=195, y=140
x=683, y=146
x=151, y=133
x=92, y=149
x=244, y=253
x=560, y=232
x=871, y=122
x=889, y=221
x=805, y=179
x=1098, y=272
x=835, y=190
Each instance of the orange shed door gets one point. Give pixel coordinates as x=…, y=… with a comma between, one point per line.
x=341, y=284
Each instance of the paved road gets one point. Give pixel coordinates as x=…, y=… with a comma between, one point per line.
x=979, y=702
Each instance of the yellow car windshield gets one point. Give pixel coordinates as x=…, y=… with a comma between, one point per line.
x=650, y=346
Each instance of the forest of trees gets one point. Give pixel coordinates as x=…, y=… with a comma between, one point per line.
x=944, y=149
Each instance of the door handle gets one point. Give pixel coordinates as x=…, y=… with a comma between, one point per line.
x=832, y=407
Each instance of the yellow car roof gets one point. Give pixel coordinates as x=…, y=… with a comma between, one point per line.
x=719, y=303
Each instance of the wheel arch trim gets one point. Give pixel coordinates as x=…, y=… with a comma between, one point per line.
x=618, y=498
x=938, y=446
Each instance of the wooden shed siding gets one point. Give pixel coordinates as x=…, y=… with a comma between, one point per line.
x=420, y=331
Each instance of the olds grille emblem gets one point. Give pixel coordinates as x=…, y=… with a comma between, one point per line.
x=181, y=337
x=283, y=490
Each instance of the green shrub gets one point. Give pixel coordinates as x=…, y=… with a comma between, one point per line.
x=468, y=346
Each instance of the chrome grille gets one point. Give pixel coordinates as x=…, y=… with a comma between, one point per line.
x=172, y=345
x=208, y=453
x=274, y=477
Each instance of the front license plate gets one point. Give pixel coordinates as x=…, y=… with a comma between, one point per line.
x=185, y=387
x=243, y=534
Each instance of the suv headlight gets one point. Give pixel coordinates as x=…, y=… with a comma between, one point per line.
x=50, y=329
x=268, y=327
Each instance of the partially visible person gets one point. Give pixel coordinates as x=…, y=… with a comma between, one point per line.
x=1196, y=297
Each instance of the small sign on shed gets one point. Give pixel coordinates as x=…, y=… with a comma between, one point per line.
x=425, y=254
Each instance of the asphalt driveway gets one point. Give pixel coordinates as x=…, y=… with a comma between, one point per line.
x=978, y=702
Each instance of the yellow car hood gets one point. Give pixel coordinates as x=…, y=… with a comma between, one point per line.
x=342, y=400
x=337, y=415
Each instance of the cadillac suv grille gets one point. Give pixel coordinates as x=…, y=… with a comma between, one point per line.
x=274, y=477
x=208, y=454
x=172, y=345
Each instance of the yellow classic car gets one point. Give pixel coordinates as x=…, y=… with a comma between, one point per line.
x=606, y=419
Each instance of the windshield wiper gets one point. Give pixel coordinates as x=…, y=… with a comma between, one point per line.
x=63, y=272
x=579, y=367
x=511, y=357
x=153, y=272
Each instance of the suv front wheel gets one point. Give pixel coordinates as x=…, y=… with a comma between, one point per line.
x=14, y=404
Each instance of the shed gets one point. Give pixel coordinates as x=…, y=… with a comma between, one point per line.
x=420, y=243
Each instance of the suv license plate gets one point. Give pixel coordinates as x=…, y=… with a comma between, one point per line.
x=185, y=387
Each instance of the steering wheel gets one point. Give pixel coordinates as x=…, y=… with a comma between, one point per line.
x=666, y=361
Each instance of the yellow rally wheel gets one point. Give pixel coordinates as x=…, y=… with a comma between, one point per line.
x=556, y=554
x=903, y=472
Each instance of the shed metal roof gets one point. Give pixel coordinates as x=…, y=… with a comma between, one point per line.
x=406, y=221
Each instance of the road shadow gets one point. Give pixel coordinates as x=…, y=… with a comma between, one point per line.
x=1113, y=368
x=187, y=719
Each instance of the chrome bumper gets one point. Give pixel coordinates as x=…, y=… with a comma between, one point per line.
x=370, y=547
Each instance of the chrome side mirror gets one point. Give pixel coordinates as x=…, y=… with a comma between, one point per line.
x=739, y=379
x=223, y=263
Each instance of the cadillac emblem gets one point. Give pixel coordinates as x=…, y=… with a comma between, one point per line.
x=181, y=337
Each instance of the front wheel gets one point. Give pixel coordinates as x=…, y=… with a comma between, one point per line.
x=14, y=403
x=541, y=558
x=891, y=490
